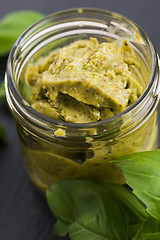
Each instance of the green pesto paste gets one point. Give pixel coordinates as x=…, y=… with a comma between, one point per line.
x=86, y=81
x=83, y=82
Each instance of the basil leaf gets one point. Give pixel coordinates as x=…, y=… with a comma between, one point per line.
x=135, y=231
x=151, y=226
x=133, y=206
x=60, y=229
x=2, y=92
x=148, y=227
x=152, y=236
x=78, y=232
x=12, y=25
x=89, y=210
x=142, y=173
x=139, y=236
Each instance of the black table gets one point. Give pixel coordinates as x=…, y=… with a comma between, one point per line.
x=24, y=213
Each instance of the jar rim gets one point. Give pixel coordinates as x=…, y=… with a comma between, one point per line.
x=53, y=122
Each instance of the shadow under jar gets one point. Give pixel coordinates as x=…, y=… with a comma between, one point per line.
x=84, y=150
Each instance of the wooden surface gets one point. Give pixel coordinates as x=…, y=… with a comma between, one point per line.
x=24, y=214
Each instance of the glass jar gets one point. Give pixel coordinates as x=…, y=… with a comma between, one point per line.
x=55, y=150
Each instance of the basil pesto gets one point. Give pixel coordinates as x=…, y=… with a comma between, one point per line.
x=86, y=81
x=83, y=82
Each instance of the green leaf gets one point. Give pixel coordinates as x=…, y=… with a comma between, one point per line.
x=89, y=210
x=151, y=225
x=2, y=92
x=135, y=231
x=139, y=236
x=142, y=173
x=60, y=229
x=78, y=232
x=152, y=236
x=12, y=25
x=133, y=206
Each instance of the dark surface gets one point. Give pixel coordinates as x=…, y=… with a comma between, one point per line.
x=24, y=213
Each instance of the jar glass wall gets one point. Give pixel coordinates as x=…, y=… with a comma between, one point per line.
x=55, y=150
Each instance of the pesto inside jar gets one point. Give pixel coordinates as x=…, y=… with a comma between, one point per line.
x=86, y=81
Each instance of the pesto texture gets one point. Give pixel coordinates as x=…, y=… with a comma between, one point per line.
x=86, y=81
